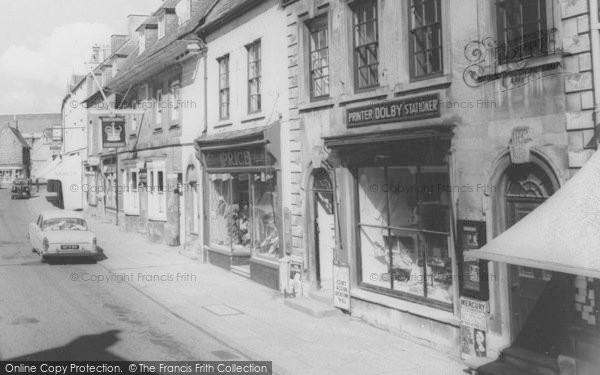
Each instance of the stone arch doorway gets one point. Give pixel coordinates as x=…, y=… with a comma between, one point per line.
x=322, y=223
x=537, y=299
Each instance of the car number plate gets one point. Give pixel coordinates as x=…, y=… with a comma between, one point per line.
x=69, y=247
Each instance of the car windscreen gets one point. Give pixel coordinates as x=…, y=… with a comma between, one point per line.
x=64, y=223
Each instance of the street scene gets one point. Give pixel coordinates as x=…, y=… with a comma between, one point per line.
x=300, y=187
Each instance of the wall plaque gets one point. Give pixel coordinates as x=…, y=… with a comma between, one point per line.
x=520, y=145
x=416, y=108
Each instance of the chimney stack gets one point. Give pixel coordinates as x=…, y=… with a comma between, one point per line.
x=133, y=22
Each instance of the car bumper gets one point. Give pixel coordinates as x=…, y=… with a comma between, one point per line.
x=69, y=253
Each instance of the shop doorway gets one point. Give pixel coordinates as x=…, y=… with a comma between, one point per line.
x=191, y=210
x=324, y=229
x=538, y=299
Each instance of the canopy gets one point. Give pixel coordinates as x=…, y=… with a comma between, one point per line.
x=562, y=234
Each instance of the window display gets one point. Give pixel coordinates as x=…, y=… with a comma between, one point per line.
x=404, y=229
x=242, y=213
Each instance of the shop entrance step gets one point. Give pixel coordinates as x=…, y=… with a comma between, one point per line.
x=243, y=270
x=322, y=295
x=312, y=307
x=536, y=363
x=501, y=368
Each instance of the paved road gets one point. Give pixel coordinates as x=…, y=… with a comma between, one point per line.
x=46, y=315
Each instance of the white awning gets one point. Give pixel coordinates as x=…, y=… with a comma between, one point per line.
x=563, y=234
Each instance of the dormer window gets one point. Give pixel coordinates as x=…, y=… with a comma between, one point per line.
x=141, y=41
x=183, y=9
x=161, y=25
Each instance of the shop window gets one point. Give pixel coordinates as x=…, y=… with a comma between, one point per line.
x=242, y=213
x=224, y=87
x=425, y=38
x=523, y=30
x=366, y=45
x=404, y=232
x=319, y=58
x=254, y=77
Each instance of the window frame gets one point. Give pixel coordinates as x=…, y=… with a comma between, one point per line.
x=504, y=45
x=411, y=48
x=162, y=25
x=158, y=113
x=157, y=199
x=227, y=89
x=355, y=7
x=175, y=109
x=316, y=25
x=424, y=300
x=257, y=78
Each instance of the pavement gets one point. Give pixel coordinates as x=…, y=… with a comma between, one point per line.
x=254, y=320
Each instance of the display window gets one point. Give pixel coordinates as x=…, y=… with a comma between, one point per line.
x=404, y=232
x=243, y=214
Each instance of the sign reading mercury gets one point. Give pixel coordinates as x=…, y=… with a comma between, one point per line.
x=416, y=108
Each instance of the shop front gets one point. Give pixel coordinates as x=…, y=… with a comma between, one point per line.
x=548, y=249
x=396, y=212
x=243, y=202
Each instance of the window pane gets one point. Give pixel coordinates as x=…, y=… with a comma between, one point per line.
x=265, y=233
x=240, y=212
x=220, y=209
x=374, y=257
x=407, y=262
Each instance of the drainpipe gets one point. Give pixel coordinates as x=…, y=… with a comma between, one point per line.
x=205, y=130
x=595, y=47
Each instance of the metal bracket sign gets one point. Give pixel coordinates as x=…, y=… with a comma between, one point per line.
x=113, y=131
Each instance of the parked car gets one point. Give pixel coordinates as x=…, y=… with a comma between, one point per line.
x=60, y=233
x=21, y=188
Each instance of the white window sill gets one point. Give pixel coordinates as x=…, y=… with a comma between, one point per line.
x=157, y=217
x=406, y=306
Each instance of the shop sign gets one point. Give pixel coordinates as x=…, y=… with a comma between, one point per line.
x=411, y=109
x=341, y=287
x=237, y=158
x=520, y=145
x=55, y=147
x=94, y=161
x=113, y=131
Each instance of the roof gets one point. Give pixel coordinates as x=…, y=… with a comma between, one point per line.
x=17, y=134
x=55, y=214
x=224, y=11
x=561, y=234
x=33, y=122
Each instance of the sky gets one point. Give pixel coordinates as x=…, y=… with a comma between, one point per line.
x=45, y=41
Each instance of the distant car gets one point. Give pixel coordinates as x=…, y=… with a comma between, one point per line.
x=60, y=233
x=21, y=188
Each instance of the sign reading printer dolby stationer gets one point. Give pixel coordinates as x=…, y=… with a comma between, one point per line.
x=416, y=108
x=113, y=131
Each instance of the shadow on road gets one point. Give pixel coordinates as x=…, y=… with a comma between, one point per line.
x=83, y=348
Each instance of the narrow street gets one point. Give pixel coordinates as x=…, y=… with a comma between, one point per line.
x=46, y=315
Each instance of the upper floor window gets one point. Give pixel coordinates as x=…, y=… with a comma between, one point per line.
x=254, y=72
x=161, y=25
x=141, y=41
x=176, y=96
x=158, y=111
x=183, y=9
x=522, y=29
x=224, y=87
x=319, y=58
x=425, y=38
x=366, y=45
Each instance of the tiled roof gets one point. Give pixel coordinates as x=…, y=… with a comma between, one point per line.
x=18, y=136
x=224, y=9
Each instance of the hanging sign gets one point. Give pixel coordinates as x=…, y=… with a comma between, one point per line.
x=341, y=287
x=417, y=108
x=113, y=131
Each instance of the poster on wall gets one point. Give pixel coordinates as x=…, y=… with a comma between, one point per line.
x=474, y=272
x=341, y=287
x=473, y=322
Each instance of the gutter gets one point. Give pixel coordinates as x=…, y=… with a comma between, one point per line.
x=595, y=47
